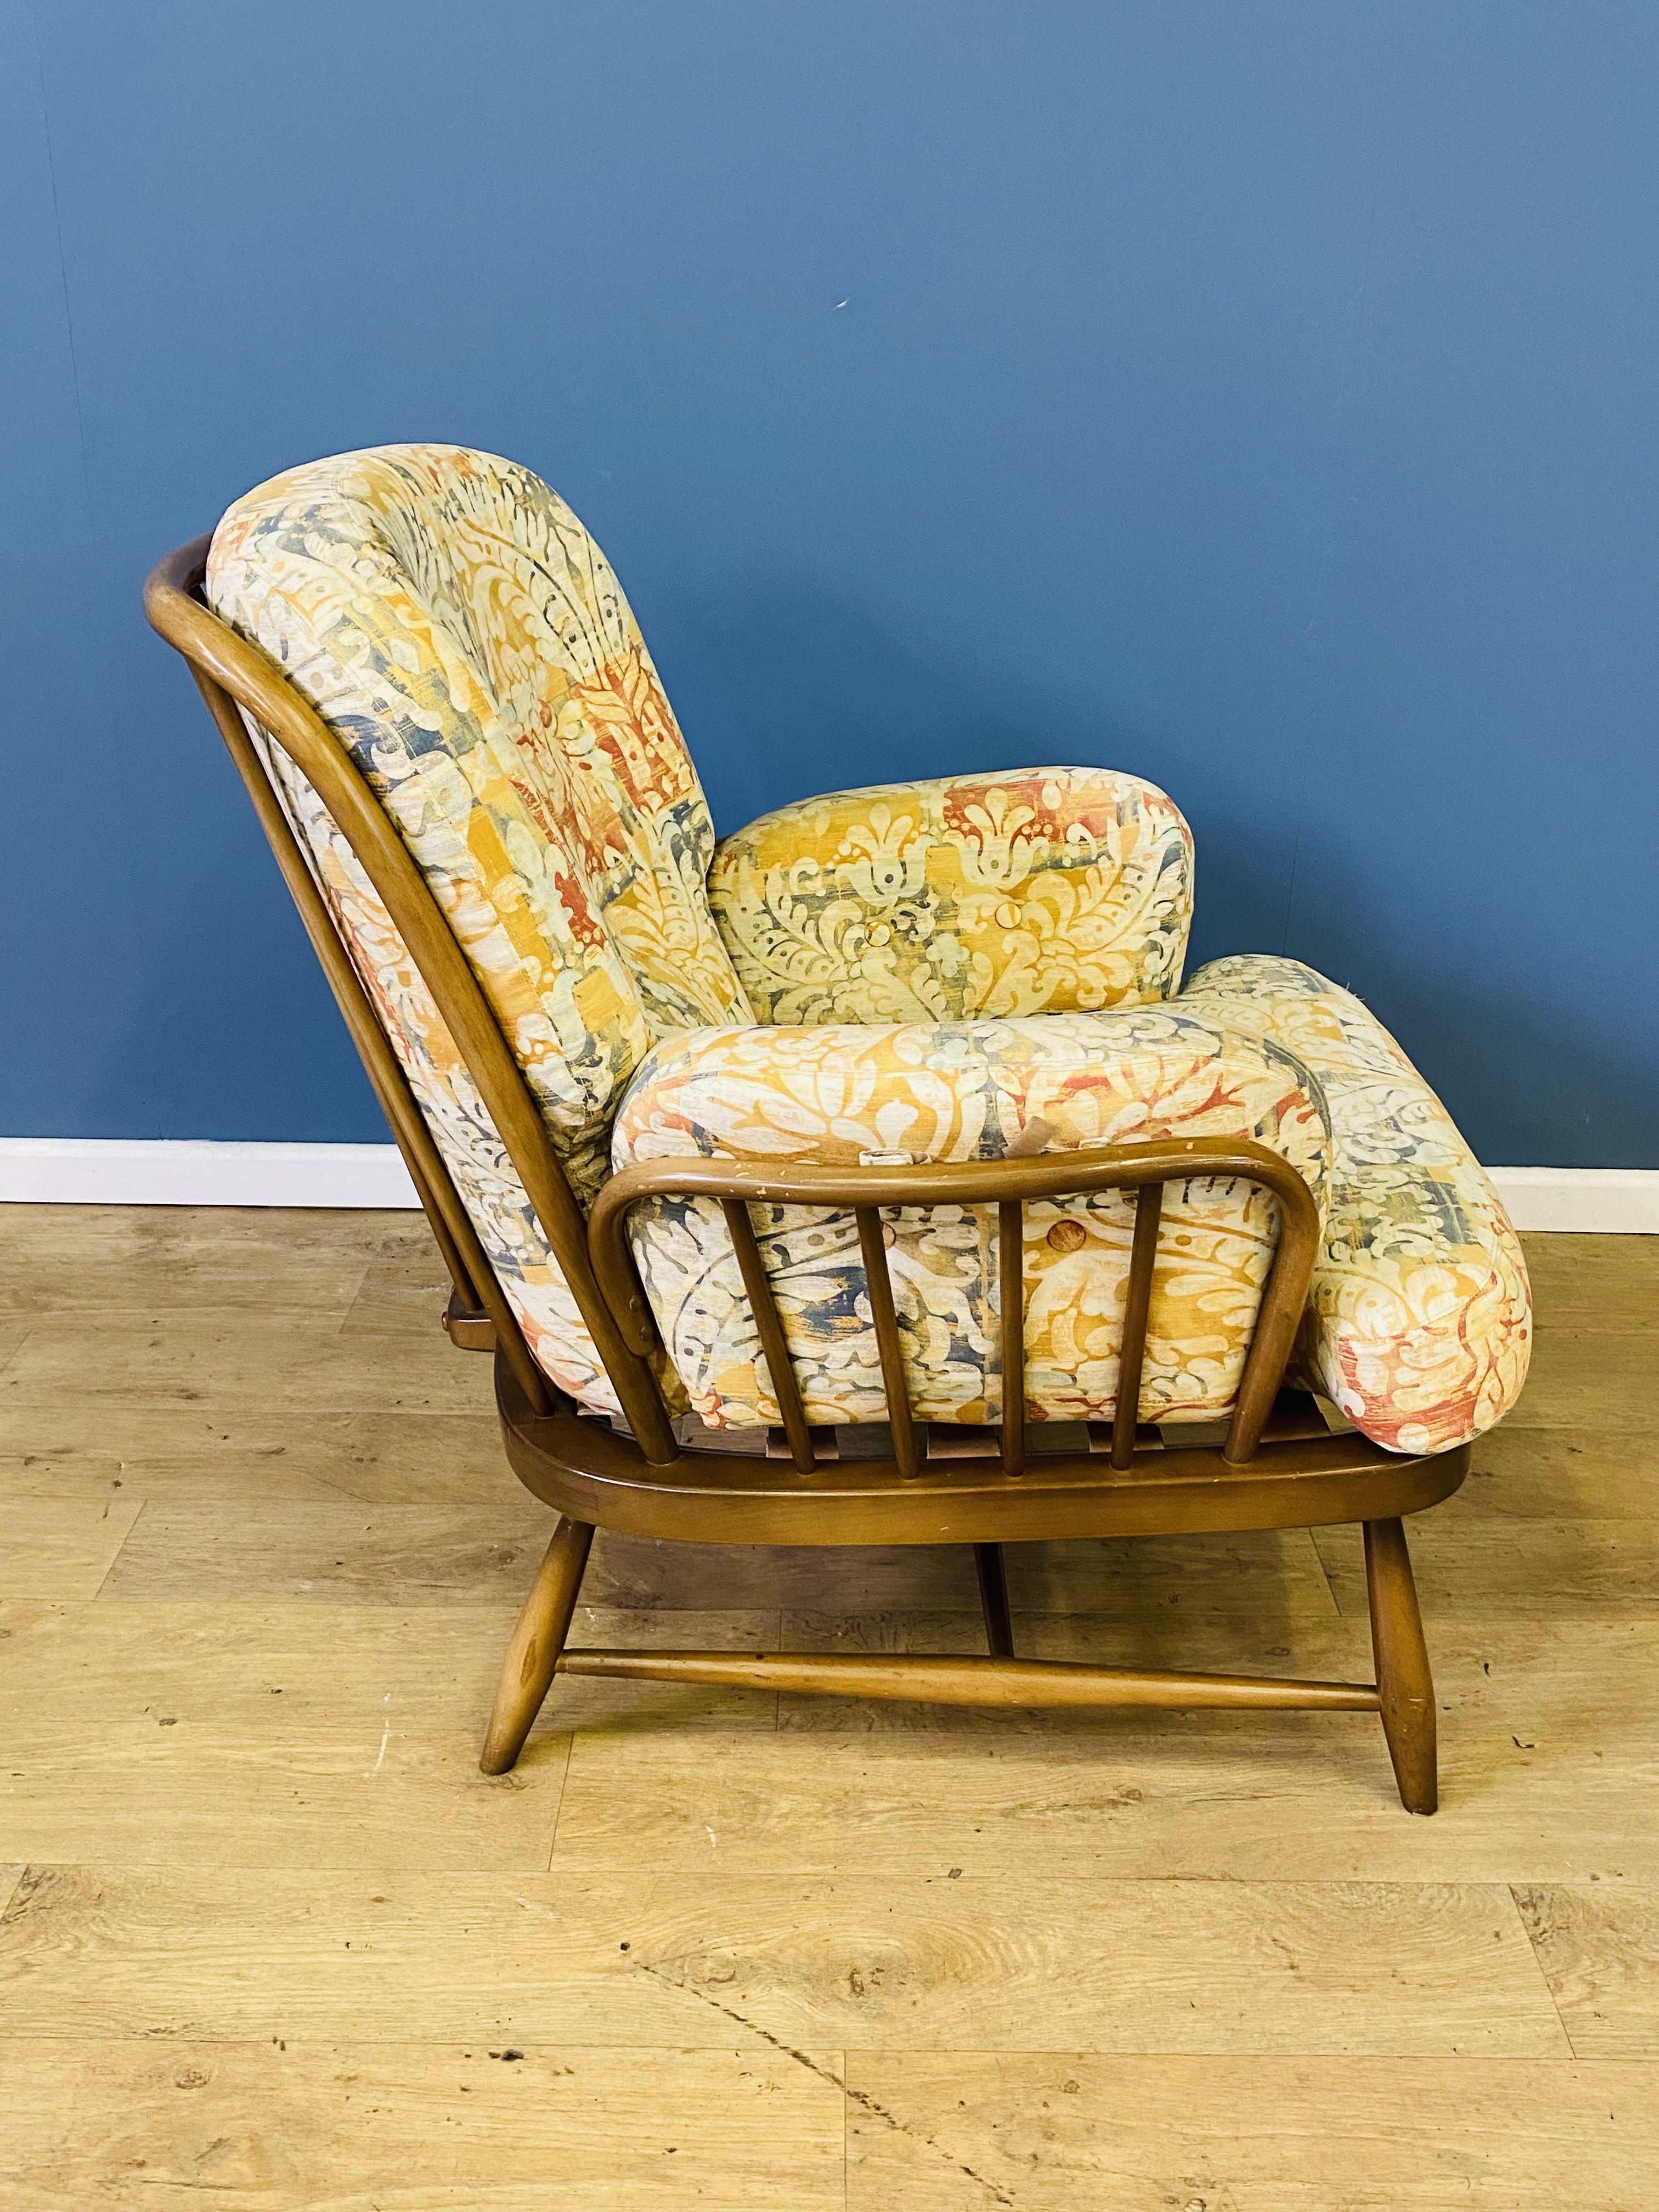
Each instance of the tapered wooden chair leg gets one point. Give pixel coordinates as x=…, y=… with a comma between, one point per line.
x=994, y=1599
x=536, y=1643
x=1402, y=1665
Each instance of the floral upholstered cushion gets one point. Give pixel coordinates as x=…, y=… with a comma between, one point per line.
x=1420, y=1323
x=485, y=1180
x=955, y=1091
x=1035, y=890
x=467, y=642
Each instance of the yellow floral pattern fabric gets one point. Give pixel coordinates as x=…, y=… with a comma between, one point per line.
x=1035, y=890
x=1420, y=1323
x=485, y=1180
x=464, y=637
x=838, y=1093
x=466, y=640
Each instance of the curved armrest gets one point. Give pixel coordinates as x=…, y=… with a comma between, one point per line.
x=1035, y=890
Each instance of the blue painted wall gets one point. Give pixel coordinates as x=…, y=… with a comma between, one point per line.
x=1258, y=396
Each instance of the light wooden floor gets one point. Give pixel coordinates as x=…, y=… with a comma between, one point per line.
x=273, y=1941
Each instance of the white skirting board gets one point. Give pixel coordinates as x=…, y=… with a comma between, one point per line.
x=120, y=1171
x=123, y=1172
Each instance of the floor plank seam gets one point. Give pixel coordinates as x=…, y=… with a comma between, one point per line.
x=1549, y=1986
x=845, y=2142
x=849, y=2096
x=115, y=1556
x=558, y=1803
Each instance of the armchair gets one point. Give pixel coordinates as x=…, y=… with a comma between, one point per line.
x=867, y=1178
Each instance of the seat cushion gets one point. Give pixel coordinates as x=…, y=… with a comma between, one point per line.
x=1034, y=891
x=955, y=1091
x=1419, y=1324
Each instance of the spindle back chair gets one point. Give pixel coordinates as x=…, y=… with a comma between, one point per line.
x=1281, y=1464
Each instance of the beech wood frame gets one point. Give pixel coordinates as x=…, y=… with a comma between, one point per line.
x=1278, y=1467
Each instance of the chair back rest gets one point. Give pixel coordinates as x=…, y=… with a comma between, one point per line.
x=467, y=642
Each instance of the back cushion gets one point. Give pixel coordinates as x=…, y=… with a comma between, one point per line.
x=1040, y=890
x=467, y=642
x=465, y=638
x=496, y=1201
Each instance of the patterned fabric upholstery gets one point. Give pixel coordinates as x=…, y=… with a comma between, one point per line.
x=1418, y=1321
x=466, y=639
x=955, y=1091
x=1419, y=1324
x=485, y=1179
x=940, y=970
x=1043, y=890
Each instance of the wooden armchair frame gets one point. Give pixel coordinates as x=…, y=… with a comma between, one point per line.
x=1278, y=1467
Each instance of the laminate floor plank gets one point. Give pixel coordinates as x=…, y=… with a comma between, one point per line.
x=1521, y=1570
x=1602, y=1376
x=286, y=1362
x=402, y=1291
x=483, y=1551
x=1072, y=2131
x=107, y=1261
x=393, y=1554
x=1607, y=1282
x=1290, y=1803
x=53, y=1549
x=1270, y=1577
x=228, y=1455
x=1599, y=1949
x=640, y=1573
x=705, y=1960
x=1267, y=1578
x=297, y=1735
x=276, y=2127
x=1558, y=1474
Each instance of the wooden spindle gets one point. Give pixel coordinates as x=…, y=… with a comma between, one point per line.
x=994, y=1599
x=1126, y=1413
x=1010, y=1292
x=1284, y=1296
x=879, y=1283
x=769, y=1323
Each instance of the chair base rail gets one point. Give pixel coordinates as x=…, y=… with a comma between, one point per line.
x=934, y=1680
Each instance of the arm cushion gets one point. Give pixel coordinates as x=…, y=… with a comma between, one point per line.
x=1040, y=890
x=1420, y=1320
x=955, y=1091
